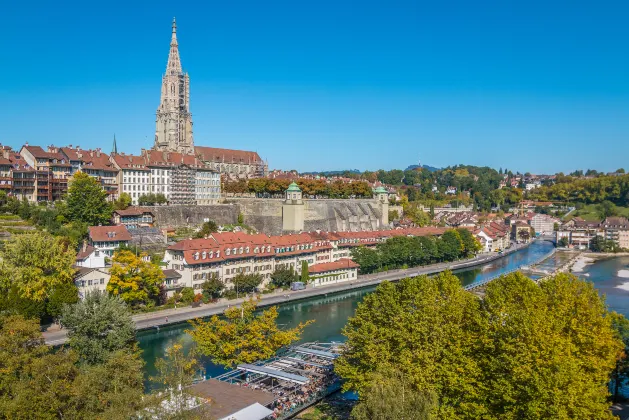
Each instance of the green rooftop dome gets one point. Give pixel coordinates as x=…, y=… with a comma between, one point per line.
x=293, y=188
x=380, y=190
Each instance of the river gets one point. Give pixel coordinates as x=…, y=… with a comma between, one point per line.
x=330, y=313
x=604, y=274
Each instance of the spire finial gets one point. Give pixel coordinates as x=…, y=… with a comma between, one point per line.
x=173, y=40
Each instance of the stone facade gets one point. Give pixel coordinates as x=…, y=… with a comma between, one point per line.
x=173, y=125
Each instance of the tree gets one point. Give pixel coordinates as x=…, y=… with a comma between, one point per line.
x=175, y=374
x=390, y=396
x=207, y=228
x=450, y=245
x=187, y=295
x=62, y=294
x=87, y=201
x=524, y=351
x=620, y=376
x=123, y=201
x=620, y=171
x=368, y=259
x=304, y=272
x=470, y=244
x=36, y=263
x=212, y=287
x=246, y=283
x=241, y=218
x=135, y=281
x=241, y=335
x=563, y=242
x=98, y=326
x=282, y=277
x=13, y=303
x=606, y=209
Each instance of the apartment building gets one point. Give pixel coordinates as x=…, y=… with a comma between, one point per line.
x=133, y=175
x=228, y=254
x=51, y=173
x=543, y=223
x=94, y=163
x=617, y=230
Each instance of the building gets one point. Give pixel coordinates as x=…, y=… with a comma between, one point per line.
x=133, y=175
x=173, y=123
x=94, y=163
x=617, y=230
x=228, y=254
x=108, y=238
x=543, y=223
x=580, y=233
x=52, y=172
x=134, y=217
x=207, y=187
x=174, y=133
x=91, y=279
x=89, y=257
x=493, y=237
x=235, y=164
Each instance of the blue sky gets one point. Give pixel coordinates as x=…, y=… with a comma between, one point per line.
x=538, y=86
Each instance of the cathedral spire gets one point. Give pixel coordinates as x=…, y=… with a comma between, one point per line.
x=174, y=63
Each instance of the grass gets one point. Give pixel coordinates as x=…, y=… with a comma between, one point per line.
x=328, y=409
x=589, y=212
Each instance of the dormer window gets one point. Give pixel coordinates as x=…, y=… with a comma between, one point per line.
x=196, y=255
x=256, y=250
x=211, y=254
x=204, y=255
x=218, y=254
x=227, y=251
x=240, y=250
x=246, y=250
x=234, y=250
x=268, y=248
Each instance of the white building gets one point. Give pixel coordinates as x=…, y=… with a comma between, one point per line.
x=207, y=188
x=543, y=223
x=133, y=175
x=108, y=238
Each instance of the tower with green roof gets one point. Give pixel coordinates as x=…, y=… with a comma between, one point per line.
x=293, y=210
x=382, y=196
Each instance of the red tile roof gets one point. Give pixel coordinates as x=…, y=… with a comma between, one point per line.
x=213, y=154
x=133, y=211
x=137, y=163
x=343, y=263
x=109, y=233
x=84, y=253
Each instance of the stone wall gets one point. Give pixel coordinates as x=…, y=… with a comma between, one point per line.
x=265, y=215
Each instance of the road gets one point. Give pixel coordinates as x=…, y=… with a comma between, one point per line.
x=158, y=318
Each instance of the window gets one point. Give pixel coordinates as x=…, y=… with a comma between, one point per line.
x=102, y=281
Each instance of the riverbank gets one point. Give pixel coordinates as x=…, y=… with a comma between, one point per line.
x=168, y=317
x=588, y=258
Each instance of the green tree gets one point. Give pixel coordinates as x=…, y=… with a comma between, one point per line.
x=524, y=351
x=368, y=259
x=206, y=229
x=134, y=280
x=13, y=303
x=390, y=396
x=187, y=295
x=123, y=201
x=563, y=242
x=87, y=201
x=620, y=376
x=304, y=272
x=606, y=209
x=213, y=287
x=241, y=335
x=450, y=245
x=246, y=283
x=470, y=244
x=36, y=263
x=241, y=218
x=62, y=294
x=98, y=326
x=282, y=277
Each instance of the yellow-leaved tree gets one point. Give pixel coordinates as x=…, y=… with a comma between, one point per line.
x=134, y=280
x=242, y=335
x=36, y=263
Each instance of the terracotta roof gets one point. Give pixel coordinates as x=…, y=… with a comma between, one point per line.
x=37, y=152
x=137, y=163
x=109, y=233
x=213, y=154
x=83, y=254
x=133, y=211
x=343, y=263
x=171, y=159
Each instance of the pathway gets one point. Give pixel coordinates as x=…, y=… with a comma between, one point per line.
x=158, y=318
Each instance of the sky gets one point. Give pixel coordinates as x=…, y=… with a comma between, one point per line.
x=537, y=86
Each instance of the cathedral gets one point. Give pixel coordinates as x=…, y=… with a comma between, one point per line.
x=173, y=125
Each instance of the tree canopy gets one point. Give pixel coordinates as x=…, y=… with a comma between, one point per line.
x=87, y=201
x=36, y=263
x=242, y=335
x=524, y=351
x=134, y=280
x=97, y=326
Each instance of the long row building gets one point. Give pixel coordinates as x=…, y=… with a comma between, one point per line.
x=189, y=263
x=36, y=175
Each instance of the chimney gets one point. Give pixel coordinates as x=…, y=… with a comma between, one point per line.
x=84, y=245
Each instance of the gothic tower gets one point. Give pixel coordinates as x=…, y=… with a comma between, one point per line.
x=173, y=125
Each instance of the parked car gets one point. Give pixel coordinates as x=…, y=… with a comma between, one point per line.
x=297, y=285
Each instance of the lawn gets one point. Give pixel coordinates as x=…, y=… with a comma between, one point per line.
x=589, y=212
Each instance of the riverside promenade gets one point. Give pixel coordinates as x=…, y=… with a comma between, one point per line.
x=158, y=318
